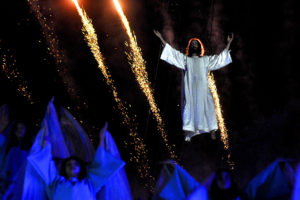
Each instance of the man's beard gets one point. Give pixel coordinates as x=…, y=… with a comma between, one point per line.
x=194, y=51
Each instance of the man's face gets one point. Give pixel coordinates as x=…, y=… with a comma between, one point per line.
x=224, y=181
x=194, y=45
x=20, y=130
x=72, y=169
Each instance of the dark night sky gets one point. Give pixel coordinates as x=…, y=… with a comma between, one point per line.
x=259, y=91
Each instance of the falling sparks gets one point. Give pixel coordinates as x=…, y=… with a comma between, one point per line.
x=53, y=43
x=139, y=69
x=91, y=38
x=221, y=123
x=44, y=16
x=9, y=67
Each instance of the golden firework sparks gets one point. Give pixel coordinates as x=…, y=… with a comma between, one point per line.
x=138, y=67
x=220, y=118
x=9, y=67
x=140, y=148
x=51, y=38
x=44, y=17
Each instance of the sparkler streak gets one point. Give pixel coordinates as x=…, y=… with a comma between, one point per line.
x=219, y=114
x=139, y=69
x=44, y=17
x=139, y=146
x=221, y=123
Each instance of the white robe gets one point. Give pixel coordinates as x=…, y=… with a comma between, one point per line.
x=198, y=108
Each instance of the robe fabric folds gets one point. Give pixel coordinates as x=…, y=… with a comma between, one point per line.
x=33, y=182
x=296, y=191
x=198, y=107
x=101, y=170
x=179, y=186
x=271, y=183
x=117, y=187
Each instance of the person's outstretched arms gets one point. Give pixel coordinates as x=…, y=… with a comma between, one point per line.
x=158, y=34
x=221, y=60
x=170, y=54
x=104, y=164
x=229, y=40
x=41, y=158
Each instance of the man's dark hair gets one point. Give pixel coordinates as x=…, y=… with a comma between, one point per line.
x=192, y=51
x=200, y=51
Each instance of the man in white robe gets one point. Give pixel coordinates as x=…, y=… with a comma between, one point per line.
x=199, y=114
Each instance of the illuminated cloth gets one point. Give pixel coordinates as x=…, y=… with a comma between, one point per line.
x=76, y=139
x=29, y=185
x=178, y=185
x=296, y=192
x=33, y=180
x=117, y=187
x=272, y=183
x=199, y=114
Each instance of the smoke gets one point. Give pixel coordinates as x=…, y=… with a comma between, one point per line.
x=168, y=26
x=217, y=29
x=290, y=56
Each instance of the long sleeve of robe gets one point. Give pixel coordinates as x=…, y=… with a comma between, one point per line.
x=117, y=187
x=198, y=107
x=103, y=167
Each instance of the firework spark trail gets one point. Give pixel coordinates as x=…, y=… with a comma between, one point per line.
x=52, y=40
x=139, y=146
x=10, y=69
x=44, y=16
x=221, y=123
x=139, y=69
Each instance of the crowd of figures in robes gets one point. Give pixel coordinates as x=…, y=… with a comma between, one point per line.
x=63, y=164
x=278, y=181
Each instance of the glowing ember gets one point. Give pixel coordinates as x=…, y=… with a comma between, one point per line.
x=139, y=69
x=139, y=146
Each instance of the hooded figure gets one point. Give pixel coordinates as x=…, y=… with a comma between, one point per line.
x=41, y=178
x=274, y=182
x=178, y=185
